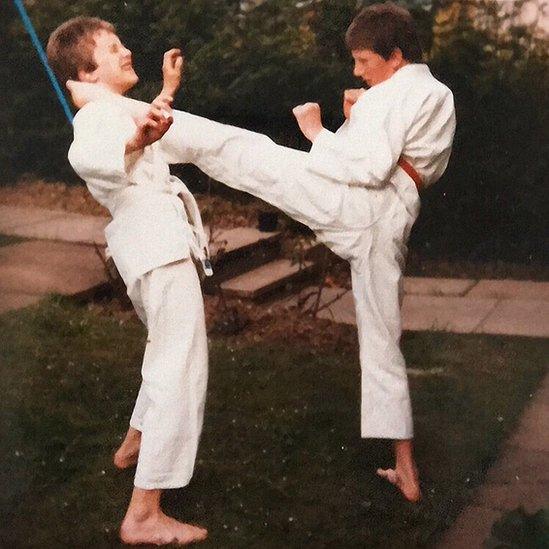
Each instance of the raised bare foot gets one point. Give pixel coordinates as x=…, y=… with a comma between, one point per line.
x=405, y=479
x=126, y=456
x=159, y=529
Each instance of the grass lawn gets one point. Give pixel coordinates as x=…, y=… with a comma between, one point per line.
x=280, y=464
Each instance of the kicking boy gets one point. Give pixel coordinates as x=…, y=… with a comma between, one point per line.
x=356, y=189
x=154, y=235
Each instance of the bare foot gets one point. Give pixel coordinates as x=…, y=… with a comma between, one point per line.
x=405, y=479
x=159, y=529
x=126, y=456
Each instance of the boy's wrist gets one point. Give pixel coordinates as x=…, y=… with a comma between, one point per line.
x=133, y=146
x=168, y=91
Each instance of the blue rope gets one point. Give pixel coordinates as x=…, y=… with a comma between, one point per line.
x=42, y=54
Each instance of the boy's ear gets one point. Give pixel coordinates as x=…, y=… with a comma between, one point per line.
x=84, y=76
x=396, y=57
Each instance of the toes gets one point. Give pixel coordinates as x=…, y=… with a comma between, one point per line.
x=388, y=474
x=409, y=489
x=193, y=534
x=201, y=534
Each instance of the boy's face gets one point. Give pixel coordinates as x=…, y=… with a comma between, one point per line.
x=372, y=68
x=114, y=64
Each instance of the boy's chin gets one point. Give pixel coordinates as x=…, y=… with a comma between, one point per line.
x=130, y=83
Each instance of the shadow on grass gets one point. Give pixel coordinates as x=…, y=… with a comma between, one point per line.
x=280, y=463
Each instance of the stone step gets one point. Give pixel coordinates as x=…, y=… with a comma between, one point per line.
x=318, y=252
x=235, y=251
x=267, y=278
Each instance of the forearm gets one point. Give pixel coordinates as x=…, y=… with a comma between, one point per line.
x=345, y=161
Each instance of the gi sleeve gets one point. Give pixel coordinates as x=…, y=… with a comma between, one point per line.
x=367, y=151
x=98, y=151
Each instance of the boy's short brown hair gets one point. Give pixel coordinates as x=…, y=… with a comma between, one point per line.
x=382, y=28
x=70, y=46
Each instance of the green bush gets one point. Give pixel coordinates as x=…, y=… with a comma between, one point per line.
x=251, y=67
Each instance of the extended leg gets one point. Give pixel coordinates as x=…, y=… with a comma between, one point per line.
x=253, y=163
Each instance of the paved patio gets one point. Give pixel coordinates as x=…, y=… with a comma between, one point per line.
x=504, y=307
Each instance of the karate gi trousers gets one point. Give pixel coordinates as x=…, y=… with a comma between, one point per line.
x=170, y=405
x=369, y=227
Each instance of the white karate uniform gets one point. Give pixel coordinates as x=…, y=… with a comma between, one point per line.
x=360, y=203
x=350, y=191
x=153, y=236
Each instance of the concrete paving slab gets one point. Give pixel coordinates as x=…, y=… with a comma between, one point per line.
x=471, y=528
x=517, y=466
x=532, y=433
x=506, y=497
x=40, y=267
x=416, y=285
x=53, y=225
x=12, y=217
x=526, y=317
x=11, y=301
x=342, y=311
x=511, y=289
x=524, y=455
x=449, y=314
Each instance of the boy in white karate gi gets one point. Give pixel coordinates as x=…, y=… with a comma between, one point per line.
x=154, y=235
x=357, y=189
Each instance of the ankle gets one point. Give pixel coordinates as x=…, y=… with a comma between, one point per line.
x=142, y=514
x=144, y=505
x=404, y=452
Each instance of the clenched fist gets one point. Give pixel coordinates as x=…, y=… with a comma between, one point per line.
x=350, y=97
x=309, y=119
x=172, y=68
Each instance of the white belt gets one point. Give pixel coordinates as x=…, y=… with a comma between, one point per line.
x=199, y=241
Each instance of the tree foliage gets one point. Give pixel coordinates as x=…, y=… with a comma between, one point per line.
x=249, y=63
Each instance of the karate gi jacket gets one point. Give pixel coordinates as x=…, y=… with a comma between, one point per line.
x=155, y=220
x=409, y=115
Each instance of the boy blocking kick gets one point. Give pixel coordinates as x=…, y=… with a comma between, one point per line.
x=356, y=189
x=154, y=236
